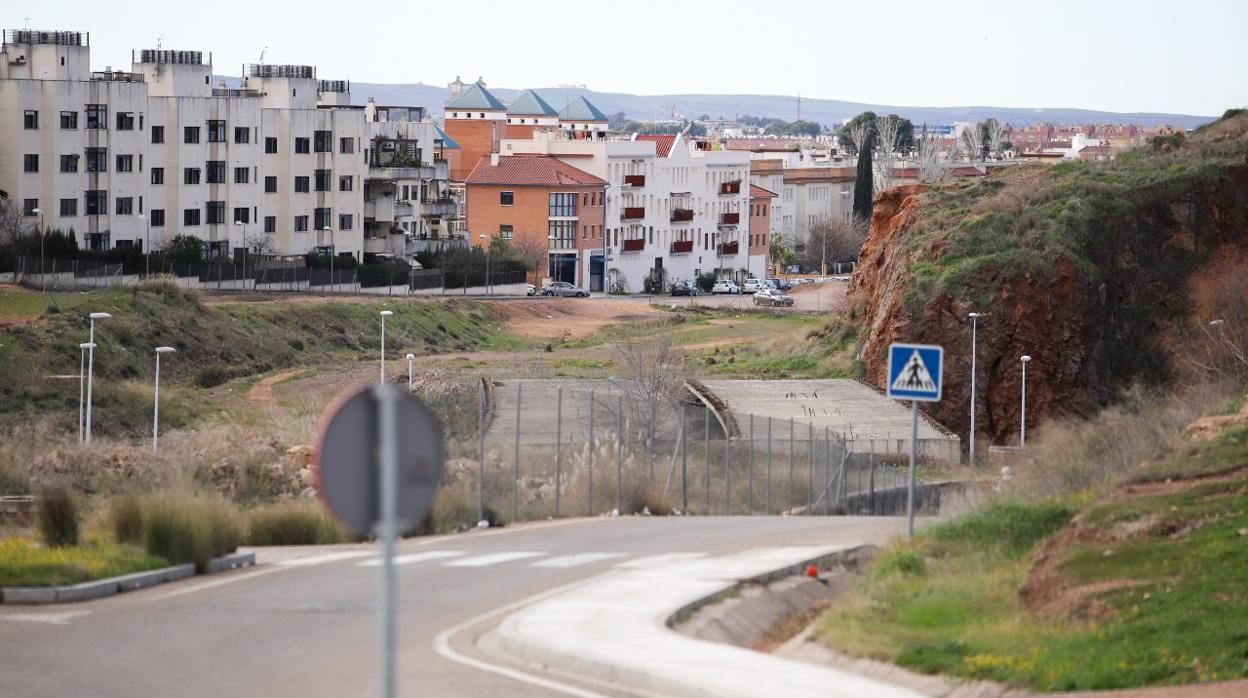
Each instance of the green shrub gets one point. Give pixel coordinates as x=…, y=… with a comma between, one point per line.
x=58, y=517
x=190, y=530
x=125, y=517
x=900, y=560
x=1009, y=528
x=212, y=376
x=292, y=523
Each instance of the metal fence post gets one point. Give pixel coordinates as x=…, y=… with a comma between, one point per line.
x=515, y=460
x=767, y=504
x=727, y=474
x=791, y=435
x=706, y=458
x=558, y=445
x=650, y=442
x=749, y=486
x=619, y=447
x=810, y=466
x=684, y=460
x=590, y=461
x=871, y=480
x=827, y=470
x=480, y=451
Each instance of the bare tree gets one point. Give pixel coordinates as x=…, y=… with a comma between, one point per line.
x=651, y=375
x=887, y=146
x=834, y=239
x=973, y=142
x=13, y=225
x=856, y=135
x=993, y=134
x=933, y=163
x=259, y=242
x=532, y=250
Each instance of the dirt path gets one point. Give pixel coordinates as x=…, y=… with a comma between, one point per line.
x=572, y=318
x=263, y=391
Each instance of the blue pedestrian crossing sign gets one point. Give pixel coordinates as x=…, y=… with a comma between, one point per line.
x=914, y=372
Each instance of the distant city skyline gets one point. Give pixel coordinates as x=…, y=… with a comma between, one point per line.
x=1112, y=56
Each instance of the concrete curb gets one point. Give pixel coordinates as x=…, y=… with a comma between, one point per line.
x=616, y=630
x=101, y=588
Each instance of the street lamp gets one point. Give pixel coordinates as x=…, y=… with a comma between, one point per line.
x=91, y=370
x=1022, y=434
x=82, y=380
x=243, y=239
x=384, y=314
x=333, y=286
x=410, y=358
x=486, y=245
x=156, y=401
x=147, y=245
x=42, y=237
x=553, y=239
x=974, y=337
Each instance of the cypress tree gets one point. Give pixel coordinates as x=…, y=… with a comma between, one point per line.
x=864, y=184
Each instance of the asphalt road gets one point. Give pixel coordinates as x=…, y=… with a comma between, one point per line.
x=303, y=622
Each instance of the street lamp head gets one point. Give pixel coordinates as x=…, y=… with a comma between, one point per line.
x=142, y=216
x=1025, y=358
x=387, y=313
x=239, y=223
x=974, y=315
x=1215, y=323
x=100, y=316
x=165, y=350
x=410, y=357
x=37, y=211
x=87, y=345
x=326, y=229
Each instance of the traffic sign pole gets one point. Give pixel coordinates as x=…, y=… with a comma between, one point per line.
x=388, y=430
x=914, y=452
x=915, y=374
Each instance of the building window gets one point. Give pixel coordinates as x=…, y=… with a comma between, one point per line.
x=301, y=224
x=69, y=120
x=270, y=145
x=125, y=121
x=215, y=212
x=346, y=183
x=346, y=145
x=97, y=160
x=69, y=207
x=322, y=141
x=301, y=185
x=215, y=170
x=156, y=217
x=97, y=116
x=270, y=185
x=564, y=233
x=69, y=163
x=242, y=134
x=242, y=214
x=190, y=216
x=506, y=198
x=505, y=232
x=242, y=175
x=125, y=163
x=158, y=134
x=322, y=180
x=190, y=134
x=270, y=224
x=190, y=175
x=29, y=206
x=30, y=119
x=158, y=175
x=216, y=131
x=562, y=205
x=125, y=205
x=95, y=201
x=346, y=221
x=322, y=218
x=302, y=146
x=30, y=163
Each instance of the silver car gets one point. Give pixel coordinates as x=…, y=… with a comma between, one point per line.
x=563, y=288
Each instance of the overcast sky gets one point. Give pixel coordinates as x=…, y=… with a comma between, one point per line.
x=1144, y=55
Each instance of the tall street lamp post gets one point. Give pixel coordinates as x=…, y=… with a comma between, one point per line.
x=974, y=338
x=410, y=359
x=147, y=245
x=554, y=255
x=333, y=283
x=156, y=400
x=243, y=239
x=485, y=243
x=82, y=381
x=91, y=370
x=384, y=314
x=1022, y=426
x=42, y=236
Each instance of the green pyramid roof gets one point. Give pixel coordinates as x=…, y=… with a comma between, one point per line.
x=475, y=97
x=531, y=104
x=580, y=109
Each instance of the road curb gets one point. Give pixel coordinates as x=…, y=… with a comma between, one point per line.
x=101, y=588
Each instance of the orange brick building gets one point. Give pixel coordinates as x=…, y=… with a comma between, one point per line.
x=530, y=199
x=760, y=226
x=475, y=119
x=529, y=113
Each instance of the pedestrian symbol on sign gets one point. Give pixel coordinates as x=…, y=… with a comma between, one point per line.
x=915, y=376
x=914, y=372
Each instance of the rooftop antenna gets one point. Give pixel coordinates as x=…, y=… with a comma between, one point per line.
x=160, y=40
x=262, y=52
x=27, y=22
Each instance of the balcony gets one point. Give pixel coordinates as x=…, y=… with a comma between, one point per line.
x=632, y=213
x=729, y=248
x=386, y=210
x=634, y=245
x=727, y=188
x=682, y=215
x=729, y=218
x=682, y=246
x=634, y=180
x=438, y=208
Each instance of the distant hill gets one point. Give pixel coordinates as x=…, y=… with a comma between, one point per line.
x=830, y=112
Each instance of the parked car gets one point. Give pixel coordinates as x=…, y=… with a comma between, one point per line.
x=530, y=289
x=726, y=286
x=684, y=288
x=773, y=297
x=563, y=288
x=780, y=284
x=754, y=285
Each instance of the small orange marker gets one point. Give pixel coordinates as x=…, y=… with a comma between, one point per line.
x=812, y=572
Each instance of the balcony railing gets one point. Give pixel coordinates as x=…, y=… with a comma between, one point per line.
x=633, y=213
x=682, y=215
x=634, y=180
x=729, y=248
x=682, y=246
x=729, y=218
x=440, y=208
x=635, y=245
x=730, y=187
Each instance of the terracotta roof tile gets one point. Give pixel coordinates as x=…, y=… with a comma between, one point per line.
x=757, y=192
x=662, y=143
x=530, y=170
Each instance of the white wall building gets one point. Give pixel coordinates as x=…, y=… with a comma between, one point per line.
x=112, y=154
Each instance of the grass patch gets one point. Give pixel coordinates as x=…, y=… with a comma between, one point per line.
x=24, y=562
x=190, y=529
x=292, y=523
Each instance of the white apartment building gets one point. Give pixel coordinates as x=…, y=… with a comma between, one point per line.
x=807, y=192
x=135, y=158
x=672, y=204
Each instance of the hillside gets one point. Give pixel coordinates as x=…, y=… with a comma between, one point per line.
x=1093, y=269
x=826, y=111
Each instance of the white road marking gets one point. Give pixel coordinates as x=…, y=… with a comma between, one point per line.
x=218, y=582
x=662, y=560
x=442, y=645
x=320, y=559
x=61, y=618
x=415, y=557
x=574, y=560
x=492, y=559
